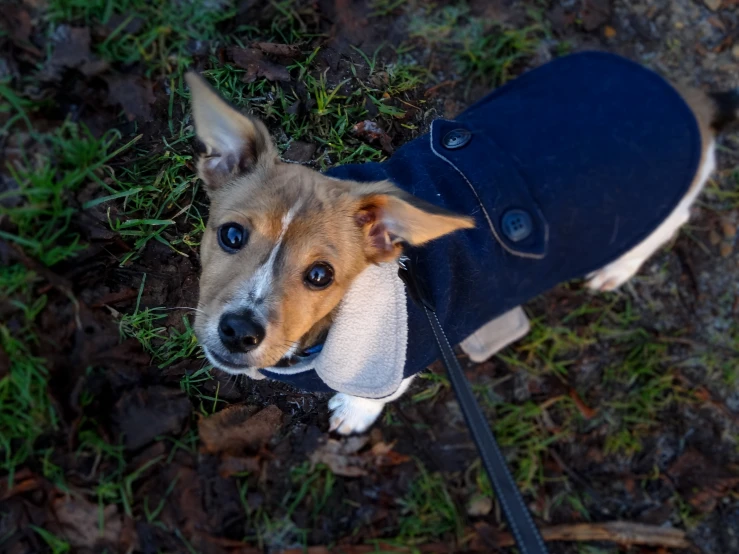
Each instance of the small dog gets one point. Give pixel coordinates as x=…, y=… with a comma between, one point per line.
x=582, y=167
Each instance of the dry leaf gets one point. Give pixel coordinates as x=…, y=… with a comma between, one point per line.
x=370, y=131
x=80, y=523
x=134, y=94
x=279, y=50
x=257, y=65
x=144, y=414
x=234, y=430
x=700, y=481
x=343, y=457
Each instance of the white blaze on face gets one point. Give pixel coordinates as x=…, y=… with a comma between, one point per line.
x=256, y=289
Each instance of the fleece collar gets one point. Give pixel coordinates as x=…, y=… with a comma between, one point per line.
x=365, y=349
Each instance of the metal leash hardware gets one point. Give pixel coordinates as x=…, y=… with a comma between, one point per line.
x=516, y=513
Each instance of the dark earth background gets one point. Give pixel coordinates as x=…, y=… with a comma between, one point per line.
x=115, y=437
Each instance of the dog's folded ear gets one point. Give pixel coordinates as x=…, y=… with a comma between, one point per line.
x=390, y=217
x=228, y=142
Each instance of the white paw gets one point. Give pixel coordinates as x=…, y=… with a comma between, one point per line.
x=351, y=414
x=613, y=275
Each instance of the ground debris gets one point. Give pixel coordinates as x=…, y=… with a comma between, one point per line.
x=84, y=525
x=235, y=430
x=624, y=533
x=700, y=481
x=343, y=456
x=257, y=65
x=300, y=152
x=134, y=94
x=371, y=132
x=232, y=465
x=144, y=414
x=279, y=50
x=19, y=27
x=72, y=51
x=595, y=13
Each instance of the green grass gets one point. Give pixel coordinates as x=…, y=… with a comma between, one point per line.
x=162, y=33
x=26, y=411
x=485, y=52
x=642, y=387
x=56, y=166
x=428, y=511
x=547, y=348
x=57, y=545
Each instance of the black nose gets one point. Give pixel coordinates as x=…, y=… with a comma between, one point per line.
x=239, y=332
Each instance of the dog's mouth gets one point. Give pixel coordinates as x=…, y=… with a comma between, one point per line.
x=287, y=361
x=302, y=356
x=224, y=363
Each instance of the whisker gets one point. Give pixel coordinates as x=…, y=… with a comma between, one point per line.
x=196, y=310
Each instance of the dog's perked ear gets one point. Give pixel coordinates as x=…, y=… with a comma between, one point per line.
x=392, y=218
x=228, y=142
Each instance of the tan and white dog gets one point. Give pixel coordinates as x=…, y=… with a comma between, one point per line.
x=284, y=243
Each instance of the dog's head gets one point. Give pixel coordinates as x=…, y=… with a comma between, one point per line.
x=284, y=242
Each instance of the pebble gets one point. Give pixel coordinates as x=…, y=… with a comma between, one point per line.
x=735, y=51
x=480, y=506
x=726, y=249
x=713, y=5
x=728, y=229
x=609, y=31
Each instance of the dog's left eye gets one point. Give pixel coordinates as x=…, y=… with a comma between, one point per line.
x=231, y=237
x=319, y=275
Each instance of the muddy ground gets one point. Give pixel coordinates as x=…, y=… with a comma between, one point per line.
x=619, y=407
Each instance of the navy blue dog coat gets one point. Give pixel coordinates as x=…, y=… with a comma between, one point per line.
x=564, y=169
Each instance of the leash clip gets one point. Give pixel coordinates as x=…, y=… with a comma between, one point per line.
x=417, y=289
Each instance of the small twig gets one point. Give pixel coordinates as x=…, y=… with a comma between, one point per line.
x=435, y=88
x=624, y=533
x=697, y=344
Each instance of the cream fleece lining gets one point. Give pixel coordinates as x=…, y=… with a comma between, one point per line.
x=365, y=350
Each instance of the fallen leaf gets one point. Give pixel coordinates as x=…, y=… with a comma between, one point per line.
x=134, y=94
x=24, y=480
x=279, y=50
x=713, y=5
x=371, y=132
x=299, y=151
x=17, y=22
x=343, y=456
x=72, y=50
x=728, y=228
x=234, y=430
x=480, y=506
x=257, y=65
x=81, y=520
x=595, y=13
x=340, y=456
x=143, y=414
x=700, y=481
x=586, y=411
x=231, y=465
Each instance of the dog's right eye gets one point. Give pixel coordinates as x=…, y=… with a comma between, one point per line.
x=231, y=237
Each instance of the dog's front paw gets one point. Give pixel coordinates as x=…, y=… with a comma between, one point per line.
x=352, y=414
x=613, y=275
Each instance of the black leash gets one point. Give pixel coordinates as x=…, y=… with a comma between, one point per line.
x=516, y=513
